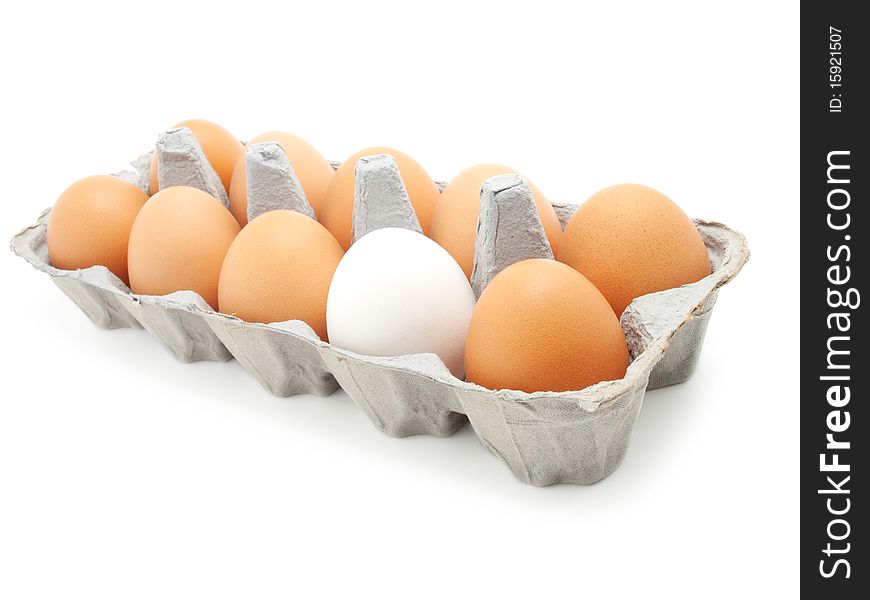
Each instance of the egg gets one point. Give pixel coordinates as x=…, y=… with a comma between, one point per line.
x=221, y=148
x=540, y=326
x=630, y=240
x=454, y=222
x=279, y=268
x=336, y=211
x=314, y=172
x=397, y=292
x=178, y=242
x=90, y=224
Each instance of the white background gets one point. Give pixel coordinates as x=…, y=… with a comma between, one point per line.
x=125, y=474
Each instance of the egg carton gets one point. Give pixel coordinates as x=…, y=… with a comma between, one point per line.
x=574, y=437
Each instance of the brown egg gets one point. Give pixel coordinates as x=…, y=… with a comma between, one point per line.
x=540, y=326
x=336, y=212
x=630, y=240
x=90, y=224
x=178, y=242
x=314, y=172
x=454, y=222
x=279, y=268
x=221, y=148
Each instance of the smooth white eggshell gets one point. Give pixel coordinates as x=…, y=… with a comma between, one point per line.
x=397, y=292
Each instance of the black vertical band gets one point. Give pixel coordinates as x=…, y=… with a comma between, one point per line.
x=835, y=362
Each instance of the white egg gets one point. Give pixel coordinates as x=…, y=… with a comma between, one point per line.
x=397, y=292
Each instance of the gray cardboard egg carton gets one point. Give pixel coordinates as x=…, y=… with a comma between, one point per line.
x=547, y=437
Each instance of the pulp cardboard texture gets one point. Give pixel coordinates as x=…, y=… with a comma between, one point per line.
x=508, y=229
x=546, y=437
x=272, y=182
x=181, y=161
x=380, y=198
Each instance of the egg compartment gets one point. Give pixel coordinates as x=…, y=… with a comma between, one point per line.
x=544, y=438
